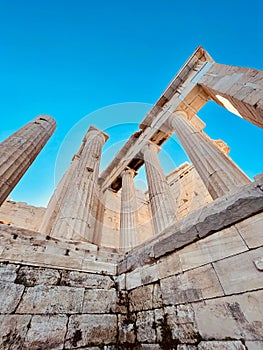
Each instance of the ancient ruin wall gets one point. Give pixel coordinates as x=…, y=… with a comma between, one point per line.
x=21, y=214
x=198, y=286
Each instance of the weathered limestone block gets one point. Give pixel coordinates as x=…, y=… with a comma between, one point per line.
x=86, y=280
x=84, y=330
x=47, y=332
x=150, y=346
x=239, y=273
x=10, y=295
x=99, y=301
x=121, y=305
x=133, y=279
x=181, y=322
x=169, y=265
x=251, y=230
x=145, y=324
x=32, y=276
x=232, y=208
x=221, y=345
x=51, y=300
x=197, y=284
x=215, y=247
x=21, y=214
x=13, y=330
x=236, y=317
x=8, y=272
x=150, y=274
x=186, y=347
x=126, y=326
x=145, y=298
x=254, y=345
x=120, y=281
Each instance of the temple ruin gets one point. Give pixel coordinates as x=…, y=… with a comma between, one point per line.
x=108, y=266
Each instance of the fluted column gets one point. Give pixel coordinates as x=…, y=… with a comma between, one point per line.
x=77, y=212
x=161, y=200
x=19, y=151
x=218, y=172
x=128, y=225
x=55, y=201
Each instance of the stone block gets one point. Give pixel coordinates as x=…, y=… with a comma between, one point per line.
x=186, y=347
x=85, y=330
x=145, y=298
x=86, y=280
x=254, y=345
x=10, y=296
x=13, y=330
x=120, y=281
x=47, y=332
x=150, y=274
x=126, y=328
x=251, y=230
x=235, y=317
x=8, y=272
x=233, y=207
x=174, y=241
x=181, y=322
x=193, y=285
x=51, y=300
x=169, y=265
x=32, y=276
x=239, y=273
x=122, y=266
x=99, y=301
x=145, y=324
x=133, y=279
x=99, y=267
x=215, y=247
x=221, y=345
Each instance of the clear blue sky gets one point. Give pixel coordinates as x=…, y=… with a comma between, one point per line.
x=71, y=58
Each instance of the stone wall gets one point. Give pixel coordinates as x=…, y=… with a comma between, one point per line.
x=21, y=214
x=207, y=295
x=45, y=308
x=197, y=286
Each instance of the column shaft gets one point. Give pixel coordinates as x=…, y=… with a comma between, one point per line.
x=77, y=212
x=162, y=203
x=128, y=225
x=218, y=172
x=55, y=201
x=19, y=151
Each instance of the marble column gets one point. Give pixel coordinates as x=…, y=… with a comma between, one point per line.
x=218, y=172
x=161, y=200
x=19, y=151
x=76, y=217
x=128, y=224
x=54, y=203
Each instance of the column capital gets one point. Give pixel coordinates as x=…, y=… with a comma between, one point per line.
x=93, y=128
x=151, y=145
x=130, y=171
x=173, y=115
